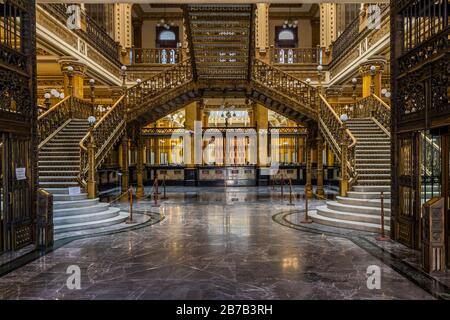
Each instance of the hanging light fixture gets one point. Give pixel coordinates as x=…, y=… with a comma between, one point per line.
x=289, y=22
x=165, y=23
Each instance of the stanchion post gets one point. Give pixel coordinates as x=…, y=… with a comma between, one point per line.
x=130, y=198
x=164, y=197
x=382, y=237
x=155, y=192
x=306, y=219
x=291, y=203
x=282, y=187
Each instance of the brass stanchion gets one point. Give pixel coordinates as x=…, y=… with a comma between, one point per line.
x=155, y=192
x=282, y=187
x=382, y=237
x=306, y=218
x=164, y=197
x=130, y=197
x=291, y=203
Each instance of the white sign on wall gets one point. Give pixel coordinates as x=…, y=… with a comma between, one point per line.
x=21, y=174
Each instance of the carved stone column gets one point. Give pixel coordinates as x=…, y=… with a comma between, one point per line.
x=74, y=73
x=371, y=72
x=262, y=32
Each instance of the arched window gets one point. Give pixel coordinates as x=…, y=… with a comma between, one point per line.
x=167, y=38
x=286, y=37
x=167, y=35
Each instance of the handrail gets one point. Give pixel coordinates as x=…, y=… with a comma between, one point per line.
x=104, y=133
x=56, y=106
x=330, y=126
x=271, y=78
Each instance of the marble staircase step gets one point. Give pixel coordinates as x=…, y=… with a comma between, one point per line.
x=372, y=188
x=346, y=224
x=67, y=197
x=80, y=204
x=46, y=179
x=121, y=217
x=374, y=182
x=97, y=207
x=86, y=217
x=350, y=216
x=376, y=202
x=57, y=184
x=367, y=194
x=344, y=207
x=373, y=176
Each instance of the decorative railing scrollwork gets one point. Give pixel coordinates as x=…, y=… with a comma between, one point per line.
x=171, y=78
x=330, y=126
x=65, y=110
x=369, y=107
x=296, y=55
x=105, y=134
x=155, y=55
x=285, y=84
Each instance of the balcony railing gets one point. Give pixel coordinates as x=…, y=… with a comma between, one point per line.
x=93, y=33
x=155, y=56
x=296, y=55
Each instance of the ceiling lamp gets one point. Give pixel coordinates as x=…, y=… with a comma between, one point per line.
x=289, y=23
x=165, y=23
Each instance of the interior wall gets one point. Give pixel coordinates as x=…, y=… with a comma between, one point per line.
x=304, y=32
x=149, y=32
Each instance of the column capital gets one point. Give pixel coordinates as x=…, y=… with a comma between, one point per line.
x=378, y=63
x=79, y=68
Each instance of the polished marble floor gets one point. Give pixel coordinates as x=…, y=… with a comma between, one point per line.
x=211, y=243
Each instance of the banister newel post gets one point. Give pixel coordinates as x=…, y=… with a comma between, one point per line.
x=343, y=188
x=91, y=183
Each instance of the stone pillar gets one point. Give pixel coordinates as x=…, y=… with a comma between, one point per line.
x=320, y=190
x=193, y=114
x=328, y=24
x=123, y=28
x=371, y=72
x=125, y=147
x=73, y=80
x=262, y=32
x=140, y=165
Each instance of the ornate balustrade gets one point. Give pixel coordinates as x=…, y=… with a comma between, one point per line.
x=331, y=128
x=369, y=107
x=155, y=56
x=52, y=119
x=282, y=83
x=102, y=137
x=159, y=84
x=346, y=40
x=93, y=33
x=295, y=55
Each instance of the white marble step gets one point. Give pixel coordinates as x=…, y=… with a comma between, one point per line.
x=346, y=224
x=55, y=184
x=121, y=217
x=85, y=218
x=377, y=188
x=350, y=216
x=374, y=182
x=79, y=204
x=367, y=195
x=376, y=202
x=64, y=191
x=98, y=207
x=342, y=207
x=67, y=197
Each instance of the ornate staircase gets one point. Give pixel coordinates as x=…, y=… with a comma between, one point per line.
x=361, y=208
x=59, y=167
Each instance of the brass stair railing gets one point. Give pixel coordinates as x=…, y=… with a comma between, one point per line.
x=172, y=78
x=60, y=114
x=100, y=140
x=369, y=107
x=340, y=140
x=284, y=84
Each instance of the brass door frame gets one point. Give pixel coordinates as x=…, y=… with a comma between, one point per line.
x=445, y=189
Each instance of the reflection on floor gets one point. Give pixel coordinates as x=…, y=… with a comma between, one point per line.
x=212, y=244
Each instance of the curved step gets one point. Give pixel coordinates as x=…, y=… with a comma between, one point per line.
x=79, y=204
x=334, y=205
x=121, y=217
x=367, y=195
x=376, y=202
x=85, y=218
x=98, y=207
x=385, y=188
x=67, y=197
x=346, y=224
x=350, y=216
